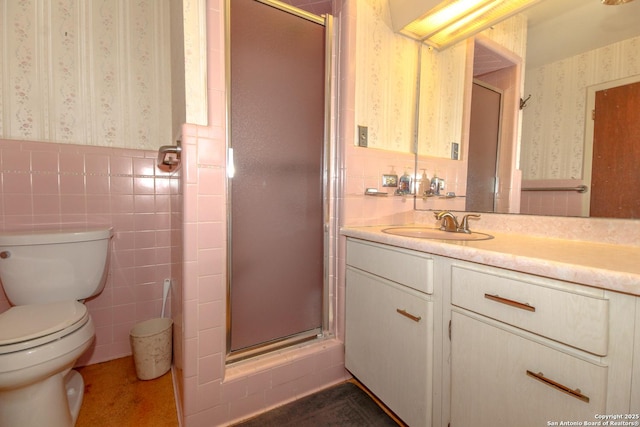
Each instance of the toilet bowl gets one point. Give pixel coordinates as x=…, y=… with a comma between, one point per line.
x=38, y=346
x=41, y=341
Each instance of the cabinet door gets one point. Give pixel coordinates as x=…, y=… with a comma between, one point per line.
x=499, y=378
x=388, y=340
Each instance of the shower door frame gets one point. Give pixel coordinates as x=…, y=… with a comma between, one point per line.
x=328, y=164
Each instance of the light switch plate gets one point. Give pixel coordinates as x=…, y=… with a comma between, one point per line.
x=363, y=136
x=455, y=151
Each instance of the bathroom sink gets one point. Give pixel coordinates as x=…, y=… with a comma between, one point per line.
x=435, y=233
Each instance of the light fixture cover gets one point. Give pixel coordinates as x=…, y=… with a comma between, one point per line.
x=451, y=21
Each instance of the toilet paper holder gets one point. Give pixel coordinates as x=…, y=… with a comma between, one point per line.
x=169, y=157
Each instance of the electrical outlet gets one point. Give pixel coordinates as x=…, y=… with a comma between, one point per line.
x=389, y=180
x=363, y=137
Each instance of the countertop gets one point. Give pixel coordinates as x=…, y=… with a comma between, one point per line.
x=601, y=265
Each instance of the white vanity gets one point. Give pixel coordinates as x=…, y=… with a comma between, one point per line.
x=390, y=326
x=514, y=331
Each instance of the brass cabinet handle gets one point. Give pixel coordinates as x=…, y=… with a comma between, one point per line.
x=510, y=302
x=563, y=388
x=409, y=315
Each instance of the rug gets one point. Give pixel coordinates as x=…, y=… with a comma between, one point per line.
x=343, y=405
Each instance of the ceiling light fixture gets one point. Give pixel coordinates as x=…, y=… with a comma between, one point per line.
x=451, y=21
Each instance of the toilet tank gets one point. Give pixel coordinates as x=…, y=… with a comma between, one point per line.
x=47, y=266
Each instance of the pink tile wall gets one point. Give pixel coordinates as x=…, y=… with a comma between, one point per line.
x=50, y=186
x=212, y=394
x=454, y=173
x=563, y=203
x=363, y=169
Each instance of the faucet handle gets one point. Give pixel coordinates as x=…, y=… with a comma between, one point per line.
x=441, y=214
x=464, y=225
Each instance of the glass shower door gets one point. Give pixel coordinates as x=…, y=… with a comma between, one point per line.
x=277, y=136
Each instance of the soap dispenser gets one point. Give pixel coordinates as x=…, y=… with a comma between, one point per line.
x=437, y=185
x=404, y=185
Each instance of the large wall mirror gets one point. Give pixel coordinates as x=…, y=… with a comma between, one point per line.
x=576, y=52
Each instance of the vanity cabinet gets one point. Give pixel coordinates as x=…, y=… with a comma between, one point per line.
x=529, y=351
x=389, y=333
x=451, y=343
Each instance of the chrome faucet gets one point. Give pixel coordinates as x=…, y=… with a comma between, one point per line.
x=449, y=221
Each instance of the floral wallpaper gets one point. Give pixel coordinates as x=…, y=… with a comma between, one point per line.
x=386, y=67
x=93, y=72
x=195, y=47
x=442, y=85
x=386, y=89
x=553, y=130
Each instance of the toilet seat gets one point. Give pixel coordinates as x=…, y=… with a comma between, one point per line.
x=28, y=326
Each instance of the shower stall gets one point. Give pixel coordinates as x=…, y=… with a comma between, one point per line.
x=278, y=204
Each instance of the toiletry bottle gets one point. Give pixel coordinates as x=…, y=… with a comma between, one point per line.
x=423, y=190
x=404, y=186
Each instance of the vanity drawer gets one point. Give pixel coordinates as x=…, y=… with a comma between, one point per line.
x=407, y=267
x=577, y=320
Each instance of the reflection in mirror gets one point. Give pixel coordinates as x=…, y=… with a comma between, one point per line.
x=567, y=60
x=484, y=127
x=492, y=135
x=440, y=112
x=558, y=124
x=492, y=59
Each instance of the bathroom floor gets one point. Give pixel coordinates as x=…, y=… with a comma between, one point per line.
x=114, y=396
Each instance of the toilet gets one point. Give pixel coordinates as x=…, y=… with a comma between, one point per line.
x=46, y=276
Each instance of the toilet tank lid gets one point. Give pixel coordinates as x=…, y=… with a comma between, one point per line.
x=26, y=322
x=43, y=237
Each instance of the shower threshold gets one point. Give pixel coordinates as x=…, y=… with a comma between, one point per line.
x=275, y=345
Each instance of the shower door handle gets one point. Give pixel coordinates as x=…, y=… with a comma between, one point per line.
x=231, y=168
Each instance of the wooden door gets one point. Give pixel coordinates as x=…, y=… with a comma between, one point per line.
x=615, y=178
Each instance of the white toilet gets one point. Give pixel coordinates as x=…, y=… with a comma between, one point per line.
x=44, y=275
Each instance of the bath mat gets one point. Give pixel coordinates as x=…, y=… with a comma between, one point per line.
x=343, y=405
